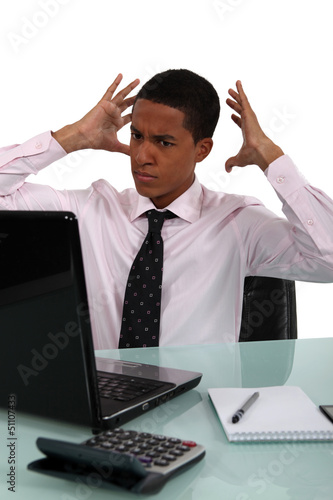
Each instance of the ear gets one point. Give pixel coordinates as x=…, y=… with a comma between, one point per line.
x=203, y=148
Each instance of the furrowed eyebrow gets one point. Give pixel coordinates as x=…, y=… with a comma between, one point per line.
x=135, y=130
x=163, y=137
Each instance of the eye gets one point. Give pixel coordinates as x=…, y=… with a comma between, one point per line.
x=136, y=136
x=166, y=144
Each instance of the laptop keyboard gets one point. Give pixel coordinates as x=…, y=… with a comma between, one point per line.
x=125, y=388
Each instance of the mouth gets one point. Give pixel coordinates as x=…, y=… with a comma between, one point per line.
x=142, y=176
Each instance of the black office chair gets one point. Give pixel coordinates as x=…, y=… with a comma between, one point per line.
x=269, y=313
x=269, y=309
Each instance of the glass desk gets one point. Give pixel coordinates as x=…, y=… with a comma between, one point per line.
x=232, y=471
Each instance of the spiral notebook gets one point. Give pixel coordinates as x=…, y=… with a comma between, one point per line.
x=281, y=413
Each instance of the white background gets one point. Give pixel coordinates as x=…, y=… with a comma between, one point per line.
x=59, y=56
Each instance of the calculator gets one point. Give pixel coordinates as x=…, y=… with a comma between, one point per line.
x=137, y=461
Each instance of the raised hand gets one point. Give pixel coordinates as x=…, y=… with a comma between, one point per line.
x=98, y=129
x=257, y=148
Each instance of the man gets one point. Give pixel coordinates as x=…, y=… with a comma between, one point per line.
x=216, y=239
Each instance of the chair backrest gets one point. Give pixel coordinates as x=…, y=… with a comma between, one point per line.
x=269, y=309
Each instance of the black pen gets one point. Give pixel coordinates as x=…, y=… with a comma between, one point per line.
x=239, y=413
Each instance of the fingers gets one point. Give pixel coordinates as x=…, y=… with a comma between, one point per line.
x=237, y=120
x=240, y=101
x=234, y=105
x=110, y=91
x=235, y=96
x=240, y=95
x=126, y=103
x=123, y=148
x=119, y=99
x=243, y=98
x=231, y=162
x=127, y=118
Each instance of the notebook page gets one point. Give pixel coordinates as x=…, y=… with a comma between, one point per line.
x=280, y=413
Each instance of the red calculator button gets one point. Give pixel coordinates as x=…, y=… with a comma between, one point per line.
x=190, y=444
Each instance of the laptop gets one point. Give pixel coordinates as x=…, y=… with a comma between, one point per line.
x=48, y=361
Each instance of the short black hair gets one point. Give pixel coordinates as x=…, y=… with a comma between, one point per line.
x=190, y=93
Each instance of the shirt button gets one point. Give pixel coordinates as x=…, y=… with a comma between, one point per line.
x=38, y=145
x=310, y=222
x=280, y=179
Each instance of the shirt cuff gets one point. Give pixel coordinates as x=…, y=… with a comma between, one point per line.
x=41, y=150
x=284, y=176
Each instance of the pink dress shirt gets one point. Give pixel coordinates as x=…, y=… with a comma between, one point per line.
x=215, y=242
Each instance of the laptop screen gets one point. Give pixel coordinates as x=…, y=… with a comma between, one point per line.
x=46, y=344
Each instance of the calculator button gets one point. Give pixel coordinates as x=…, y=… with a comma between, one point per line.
x=190, y=444
x=130, y=442
x=174, y=441
x=92, y=442
x=122, y=448
x=158, y=437
x=162, y=449
x=138, y=439
x=101, y=438
x=161, y=462
x=125, y=435
x=145, y=446
x=114, y=440
x=170, y=457
x=183, y=448
x=152, y=454
x=153, y=442
x=176, y=453
x=106, y=445
x=136, y=451
x=145, y=460
x=169, y=445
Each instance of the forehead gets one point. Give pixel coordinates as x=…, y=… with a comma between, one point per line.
x=157, y=119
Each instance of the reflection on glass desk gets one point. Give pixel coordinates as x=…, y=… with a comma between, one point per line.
x=238, y=471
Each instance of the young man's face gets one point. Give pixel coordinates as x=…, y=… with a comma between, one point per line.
x=163, y=153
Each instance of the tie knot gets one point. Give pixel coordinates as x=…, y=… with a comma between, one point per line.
x=156, y=219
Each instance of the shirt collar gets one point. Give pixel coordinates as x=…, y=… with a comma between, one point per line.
x=187, y=206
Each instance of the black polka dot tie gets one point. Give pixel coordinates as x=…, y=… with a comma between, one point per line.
x=142, y=303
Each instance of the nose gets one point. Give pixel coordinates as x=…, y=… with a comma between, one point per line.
x=143, y=154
